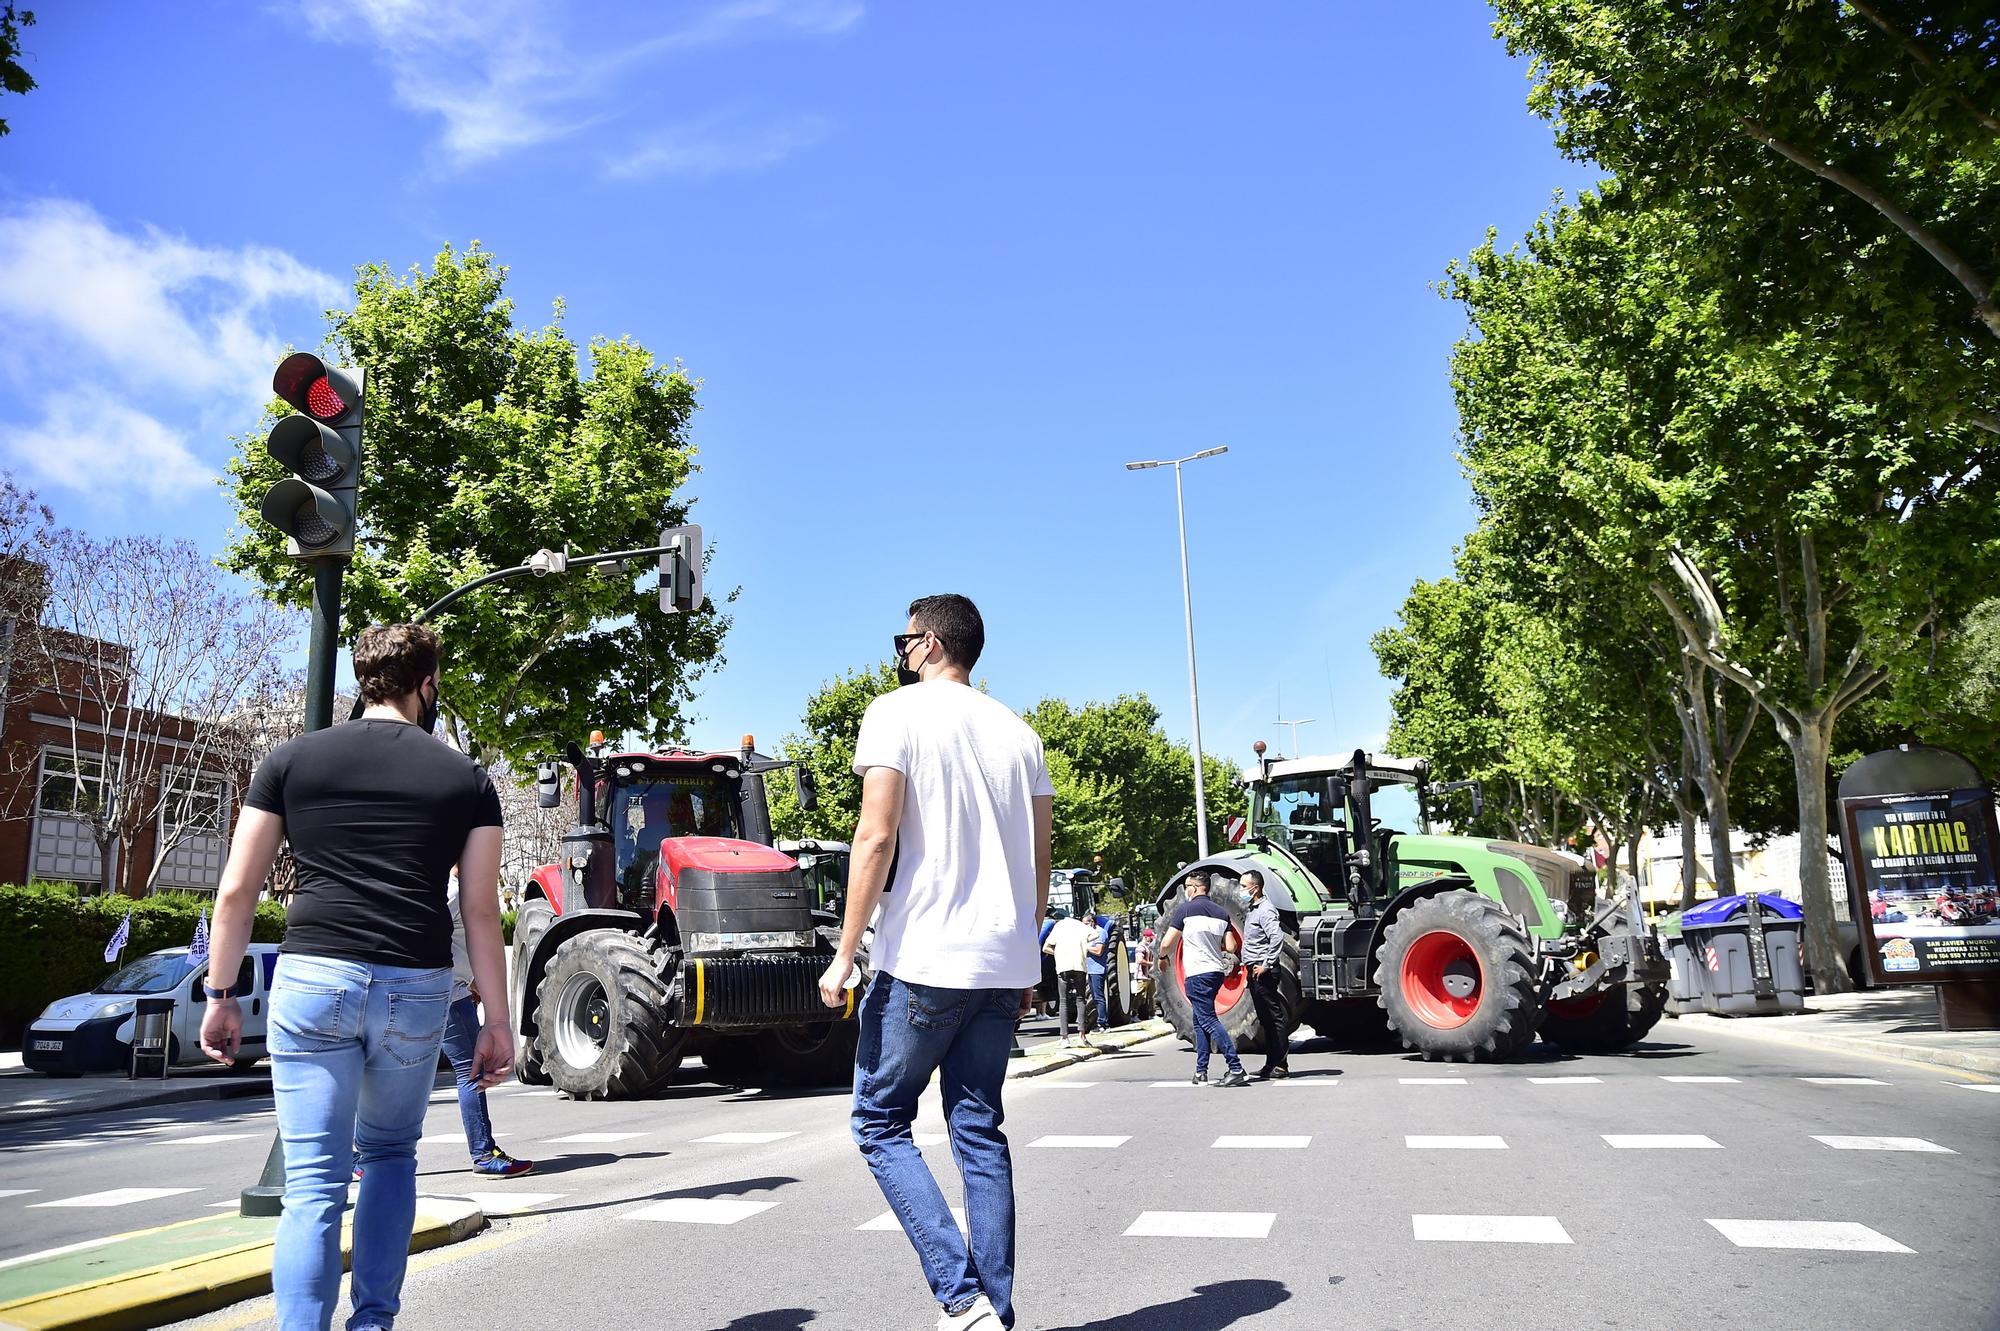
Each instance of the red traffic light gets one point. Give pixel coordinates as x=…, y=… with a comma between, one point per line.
x=310, y=385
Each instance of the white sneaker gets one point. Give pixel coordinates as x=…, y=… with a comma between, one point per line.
x=979, y=1316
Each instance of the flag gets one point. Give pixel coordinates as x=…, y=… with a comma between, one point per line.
x=198, y=949
x=119, y=939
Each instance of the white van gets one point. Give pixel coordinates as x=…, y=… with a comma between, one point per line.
x=93, y=1032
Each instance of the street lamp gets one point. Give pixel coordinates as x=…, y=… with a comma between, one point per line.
x=1187, y=604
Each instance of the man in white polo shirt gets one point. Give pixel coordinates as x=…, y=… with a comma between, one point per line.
x=955, y=796
x=1206, y=933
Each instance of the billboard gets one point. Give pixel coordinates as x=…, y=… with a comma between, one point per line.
x=1920, y=878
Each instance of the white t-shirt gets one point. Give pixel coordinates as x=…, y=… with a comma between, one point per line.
x=461, y=959
x=1072, y=939
x=961, y=911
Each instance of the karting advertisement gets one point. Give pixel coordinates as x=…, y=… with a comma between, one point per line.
x=1920, y=873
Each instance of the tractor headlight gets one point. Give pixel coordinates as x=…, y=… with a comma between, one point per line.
x=760, y=940
x=1560, y=909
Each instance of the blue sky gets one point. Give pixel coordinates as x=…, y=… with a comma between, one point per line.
x=943, y=269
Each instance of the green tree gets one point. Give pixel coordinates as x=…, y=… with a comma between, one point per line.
x=14, y=77
x=484, y=443
x=826, y=749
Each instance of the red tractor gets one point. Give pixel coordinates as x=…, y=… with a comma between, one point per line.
x=672, y=926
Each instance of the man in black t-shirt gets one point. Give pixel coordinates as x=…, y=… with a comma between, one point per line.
x=377, y=812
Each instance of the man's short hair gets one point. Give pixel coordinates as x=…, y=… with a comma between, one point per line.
x=956, y=622
x=1198, y=879
x=390, y=660
x=1251, y=875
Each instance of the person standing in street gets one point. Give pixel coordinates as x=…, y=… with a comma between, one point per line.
x=461, y=1047
x=377, y=812
x=1069, y=944
x=955, y=789
x=1097, y=964
x=1205, y=932
x=1263, y=945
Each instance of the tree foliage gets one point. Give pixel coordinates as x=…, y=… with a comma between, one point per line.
x=14, y=76
x=484, y=443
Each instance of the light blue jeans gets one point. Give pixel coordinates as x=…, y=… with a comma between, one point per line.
x=354, y=1051
x=909, y=1032
x=461, y=1043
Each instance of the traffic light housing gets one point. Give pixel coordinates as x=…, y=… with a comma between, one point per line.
x=316, y=506
x=680, y=570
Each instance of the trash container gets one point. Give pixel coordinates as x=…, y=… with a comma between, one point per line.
x=1742, y=953
x=1684, y=987
x=152, y=1023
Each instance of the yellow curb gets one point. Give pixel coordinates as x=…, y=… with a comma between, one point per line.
x=178, y=1290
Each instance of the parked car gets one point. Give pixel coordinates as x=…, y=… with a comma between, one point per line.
x=93, y=1032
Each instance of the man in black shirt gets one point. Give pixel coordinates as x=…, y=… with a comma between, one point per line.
x=377, y=811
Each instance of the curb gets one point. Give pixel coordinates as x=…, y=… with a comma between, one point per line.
x=1123, y=1037
x=200, y=1284
x=1965, y=1060
x=236, y=1089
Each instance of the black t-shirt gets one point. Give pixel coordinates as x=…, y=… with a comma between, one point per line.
x=377, y=813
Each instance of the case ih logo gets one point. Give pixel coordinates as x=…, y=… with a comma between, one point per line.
x=1235, y=830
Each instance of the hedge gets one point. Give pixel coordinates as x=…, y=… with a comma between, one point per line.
x=52, y=940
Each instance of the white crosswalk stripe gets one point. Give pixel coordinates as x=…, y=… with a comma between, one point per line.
x=115, y=1197
x=208, y=1139
x=1822, y=1235
x=1261, y=1143
x=1666, y=1141
x=17, y=1192
x=1060, y=1141
x=1455, y=1143
x=505, y=1201
x=743, y=1138
x=1488, y=1229
x=1201, y=1225
x=887, y=1221
x=700, y=1211
x=1567, y=1081
x=1844, y=1081
x=1990, y=1088
x=1884, y=1144
x=1703, y=1081
x=591, y=1138
x=1431, y=1081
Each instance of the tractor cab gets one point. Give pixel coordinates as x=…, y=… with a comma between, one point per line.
x=1313, y=808
x=650, y=798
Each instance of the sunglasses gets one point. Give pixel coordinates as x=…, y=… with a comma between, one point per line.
x=905, y=641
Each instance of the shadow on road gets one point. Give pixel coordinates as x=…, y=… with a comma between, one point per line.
x=1209, y=1308
x=778, y=1319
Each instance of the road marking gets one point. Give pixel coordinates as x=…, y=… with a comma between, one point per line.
x=1489, y=1229
x=17, y=1192
x=1667, y=1141
x=745, y=1138
x=699, y=1211
x=446, y=1138
x=1261, y=1143
x=1430, y=1081
x=1844, y=1081
x=1081, y=1143
x=1455, y=1143
x=1069, y=1085
x=1201, y=1225
x=1826, y=1235
x=1884, y=1144
x=1975, y=1086
x=887, y=1220
x=591, y=1138
x=530, y=1095
x=209, y=1139
x=1703, y=1081
x=501, y=1201
x=1566, y=1081
x=115, y=1197
x=931, y=1138
x=1174, y=1083
x=63, y=1251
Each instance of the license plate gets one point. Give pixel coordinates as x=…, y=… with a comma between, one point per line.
x=52, y=1046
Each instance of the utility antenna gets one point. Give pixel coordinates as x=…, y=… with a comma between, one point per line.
x=1280, y=721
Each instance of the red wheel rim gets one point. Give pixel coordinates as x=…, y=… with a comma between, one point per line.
x=1442, y=980
x=1228, y=995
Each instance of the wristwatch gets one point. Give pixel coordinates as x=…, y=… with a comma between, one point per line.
x=216, y=993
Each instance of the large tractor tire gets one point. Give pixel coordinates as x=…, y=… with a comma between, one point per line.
x=1232, y=1003
x=1605, y=1021
x=1457, y=979
x=606, y=1027
x=530, y=923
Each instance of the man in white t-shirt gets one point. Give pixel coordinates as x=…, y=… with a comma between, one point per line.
x=955, y=795
x=1069, y=943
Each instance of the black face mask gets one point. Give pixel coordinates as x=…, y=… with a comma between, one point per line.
x=428, y=721
x=905, y=675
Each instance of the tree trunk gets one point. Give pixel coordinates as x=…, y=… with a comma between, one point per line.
x=1632, y=858
x=1690, y=843
x=1809, y=744
x=107, y=853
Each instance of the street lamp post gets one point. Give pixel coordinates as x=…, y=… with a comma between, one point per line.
x=1187, y=606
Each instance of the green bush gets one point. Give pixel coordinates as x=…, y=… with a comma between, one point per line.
x=507, y=927
x=52, y=941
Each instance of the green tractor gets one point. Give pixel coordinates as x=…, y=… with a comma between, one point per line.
x=1459, y=947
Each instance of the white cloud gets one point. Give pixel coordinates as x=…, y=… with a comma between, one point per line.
x=712, y=146
x=505, y=74
x=127, y=344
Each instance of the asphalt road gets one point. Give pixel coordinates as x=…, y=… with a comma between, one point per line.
x=1367, y=1194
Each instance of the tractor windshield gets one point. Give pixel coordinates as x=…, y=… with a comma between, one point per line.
x=646, y=810
x=1395, y=807
x=1299, y=812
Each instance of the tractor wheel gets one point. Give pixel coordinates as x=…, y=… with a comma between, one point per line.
x=530, y=924
x=606, y=1028
x=821, y=1054
x=1232, y=1001
x=1605, y=1020
x=1457, y=979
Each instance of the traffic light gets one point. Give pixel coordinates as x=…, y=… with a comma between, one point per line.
x=680, y=570
x=321, y=447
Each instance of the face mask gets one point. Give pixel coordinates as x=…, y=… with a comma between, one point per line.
x=427, y=722
x=905, y=675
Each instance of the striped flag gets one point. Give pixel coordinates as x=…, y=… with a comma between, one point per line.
x=119, y=939
x=198, y=949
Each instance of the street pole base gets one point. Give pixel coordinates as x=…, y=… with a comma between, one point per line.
x=261, y=1200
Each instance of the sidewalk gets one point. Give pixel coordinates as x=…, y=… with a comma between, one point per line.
x=155, y=1276
x=29, y=1097
x=1051, y=1056
x=1888, y=1023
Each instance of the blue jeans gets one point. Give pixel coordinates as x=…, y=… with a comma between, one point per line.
x=461, y=1041
x=1097, y=997
x=1208, y=1028
x=909, y=1032
x=354, y=1051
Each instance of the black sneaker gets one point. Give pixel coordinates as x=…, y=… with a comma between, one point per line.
x=1281, y=1072
x=1235, y=1078
x=1201, y=1079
